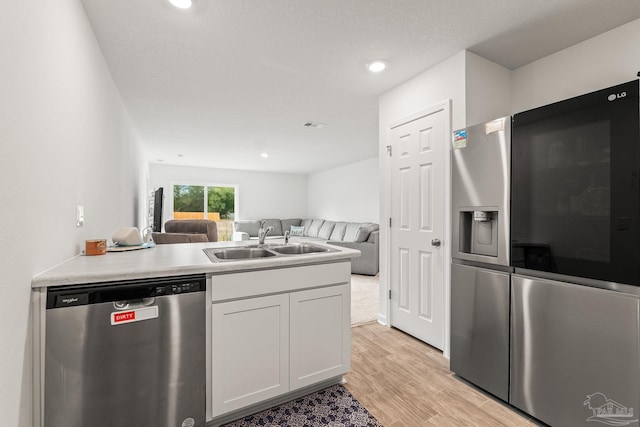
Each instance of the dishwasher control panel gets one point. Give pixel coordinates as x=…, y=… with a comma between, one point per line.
x=70, y=296
x=177, y=288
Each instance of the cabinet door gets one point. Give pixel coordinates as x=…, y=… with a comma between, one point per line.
x=480, y=327
x=574, y=353
x=250, y=351
x=320, y=334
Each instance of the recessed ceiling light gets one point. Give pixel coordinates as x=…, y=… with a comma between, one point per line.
x=181, y=4
x=376, y=66
x=264, y=155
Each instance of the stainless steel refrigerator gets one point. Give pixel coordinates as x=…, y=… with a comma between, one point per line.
x=480, y=271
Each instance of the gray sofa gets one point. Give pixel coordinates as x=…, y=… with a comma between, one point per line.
x=363, y=236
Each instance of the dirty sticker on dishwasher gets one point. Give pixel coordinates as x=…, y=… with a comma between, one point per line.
x=136, y=315
x=459, y=139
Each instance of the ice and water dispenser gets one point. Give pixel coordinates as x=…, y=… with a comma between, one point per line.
x=479, y=232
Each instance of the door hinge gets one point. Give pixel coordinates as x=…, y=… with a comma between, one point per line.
x=389, y=150
x=389, y=222
x=389, y=293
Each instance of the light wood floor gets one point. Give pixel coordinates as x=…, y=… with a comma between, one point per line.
x=404, y=382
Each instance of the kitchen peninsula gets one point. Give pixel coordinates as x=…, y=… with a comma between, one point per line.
x=276, y=326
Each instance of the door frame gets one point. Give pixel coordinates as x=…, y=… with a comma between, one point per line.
x=385, y=282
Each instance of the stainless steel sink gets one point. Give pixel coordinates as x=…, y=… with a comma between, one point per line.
x=239, y=253
x=299, y=249
x=228, y=254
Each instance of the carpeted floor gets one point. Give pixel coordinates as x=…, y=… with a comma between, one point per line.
x=333, y=407
x=365, y=298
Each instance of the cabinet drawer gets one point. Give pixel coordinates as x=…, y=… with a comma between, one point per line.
x=263, y=282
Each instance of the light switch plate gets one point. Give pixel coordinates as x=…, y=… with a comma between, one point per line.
x=79, y=216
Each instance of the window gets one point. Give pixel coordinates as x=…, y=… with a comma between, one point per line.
x=217, y=203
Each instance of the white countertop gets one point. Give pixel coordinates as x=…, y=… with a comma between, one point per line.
x=173, y=260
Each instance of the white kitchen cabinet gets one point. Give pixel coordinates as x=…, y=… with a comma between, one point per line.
x=320, y=335
x=276, y=331
x=250, y=351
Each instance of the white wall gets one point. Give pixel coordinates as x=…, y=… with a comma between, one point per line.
x=66, y=140
x=605, y=60
x=347, y=193
x=487, y=90
x=443, y=81
x=261, y=194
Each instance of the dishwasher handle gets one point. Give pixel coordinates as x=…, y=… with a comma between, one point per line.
x=133, y=303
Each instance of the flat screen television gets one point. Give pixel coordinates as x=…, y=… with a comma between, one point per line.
x=157, y=210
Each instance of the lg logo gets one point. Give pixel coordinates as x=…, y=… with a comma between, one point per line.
x=615, y=96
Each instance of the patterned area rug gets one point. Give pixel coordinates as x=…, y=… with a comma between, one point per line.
x=333, y=406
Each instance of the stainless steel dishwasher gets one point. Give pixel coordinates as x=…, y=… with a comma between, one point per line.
x=126, y=354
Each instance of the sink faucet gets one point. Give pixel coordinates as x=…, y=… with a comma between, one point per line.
x=262, y=232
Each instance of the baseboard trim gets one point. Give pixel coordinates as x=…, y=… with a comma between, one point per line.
x=250, y=410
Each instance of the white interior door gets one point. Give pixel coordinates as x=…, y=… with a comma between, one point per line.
x=419, y=145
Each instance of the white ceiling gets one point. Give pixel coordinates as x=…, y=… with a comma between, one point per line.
x=229, y=79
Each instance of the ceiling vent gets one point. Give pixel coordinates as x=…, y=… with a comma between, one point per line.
x=315, y=125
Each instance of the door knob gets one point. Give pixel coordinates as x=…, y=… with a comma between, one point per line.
x=436, y=242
